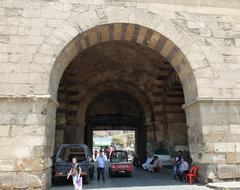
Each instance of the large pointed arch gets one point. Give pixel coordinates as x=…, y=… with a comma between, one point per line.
x=118, y=23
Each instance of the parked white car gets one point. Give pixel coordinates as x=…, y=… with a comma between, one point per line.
x=165, y=159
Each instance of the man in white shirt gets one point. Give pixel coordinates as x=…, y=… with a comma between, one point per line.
x=155, y=163
x=183, y=169
x=146, y=164
x=101, y=166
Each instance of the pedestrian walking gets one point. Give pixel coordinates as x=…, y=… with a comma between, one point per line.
x=75, y=172
x=101, y=166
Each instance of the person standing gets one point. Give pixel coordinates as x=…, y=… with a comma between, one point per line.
x=95, y=153
x=75, y=172
x=101, y=166
x=177, y=163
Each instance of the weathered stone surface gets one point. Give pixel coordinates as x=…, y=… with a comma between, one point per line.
x=227, y=171
x=207, y=172
x=233, y=157
x=201, y=42
x=213, y=158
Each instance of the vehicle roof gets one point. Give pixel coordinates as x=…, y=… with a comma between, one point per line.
x=119, y=151
x=74, y=145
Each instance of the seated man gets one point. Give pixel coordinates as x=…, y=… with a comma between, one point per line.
x=148, y=161
x=183, y=170
x=155, y=163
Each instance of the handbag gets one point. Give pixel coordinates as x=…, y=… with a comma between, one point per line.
x=79, y=183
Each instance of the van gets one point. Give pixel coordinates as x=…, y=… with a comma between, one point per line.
x=62, y=161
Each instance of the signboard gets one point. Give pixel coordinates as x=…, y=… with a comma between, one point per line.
x=102, y=141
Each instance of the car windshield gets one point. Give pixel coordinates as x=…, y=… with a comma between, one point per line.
x=68, y=153
x=118, y=157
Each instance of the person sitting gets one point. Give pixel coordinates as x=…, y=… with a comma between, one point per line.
x=155, y=163
x=183, y=170
x=148, y=161
x=177, y=163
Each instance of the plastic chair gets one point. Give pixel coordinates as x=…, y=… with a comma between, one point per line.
x=192, y=175
x=157, y=169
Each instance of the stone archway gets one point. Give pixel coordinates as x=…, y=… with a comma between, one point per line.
x=61, y=46
x=138, y=34
x=119, y=86
x=117, y=24
x=123, y=24
x=133, y=33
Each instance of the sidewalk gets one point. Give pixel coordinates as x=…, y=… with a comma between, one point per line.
x=234, y=185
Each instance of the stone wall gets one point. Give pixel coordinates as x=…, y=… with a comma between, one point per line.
x=202, y=43
x=217, y=146
x=27, y=134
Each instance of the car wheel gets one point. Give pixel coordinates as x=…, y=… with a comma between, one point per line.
x=130, y=174
x=54, y=181
x=86, y=179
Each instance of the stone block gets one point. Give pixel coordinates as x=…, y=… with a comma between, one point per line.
x=117, y=31
x=218, y=33
x=237, y=42
x=129, y=32
x=7, y=180
x=195, y=24
x=215, y=129
x=4, y=130
x=237, y=145
x=168, y=46
x=224, y=147
x=13, y=12
x=6, y=165
x=92, y=38
x=6, y=153
x=211, y=158
x=232, y=157
x=104, y=30
x=23, y=151
x=38, y=151
x=31, y=164
x=141, y=35
x=226, y=171
x=33, y=13
x=27, y=130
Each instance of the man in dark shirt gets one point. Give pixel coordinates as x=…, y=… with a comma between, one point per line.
x=177, y=164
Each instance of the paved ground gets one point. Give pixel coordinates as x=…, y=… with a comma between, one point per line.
x=232, y=185
x=141, y=180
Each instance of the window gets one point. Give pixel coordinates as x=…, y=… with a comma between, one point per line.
x=68, y=153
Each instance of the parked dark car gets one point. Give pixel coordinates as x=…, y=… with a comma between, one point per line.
x=62, y=160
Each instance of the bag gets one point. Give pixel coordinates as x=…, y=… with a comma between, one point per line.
x=78, y=183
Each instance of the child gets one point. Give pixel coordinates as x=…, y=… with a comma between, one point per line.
x=75, y=173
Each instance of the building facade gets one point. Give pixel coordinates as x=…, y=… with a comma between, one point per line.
x=169, y=71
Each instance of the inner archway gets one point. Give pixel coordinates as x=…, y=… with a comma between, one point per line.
x=117, y=110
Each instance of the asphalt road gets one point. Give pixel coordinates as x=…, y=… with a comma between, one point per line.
x=141, y=180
